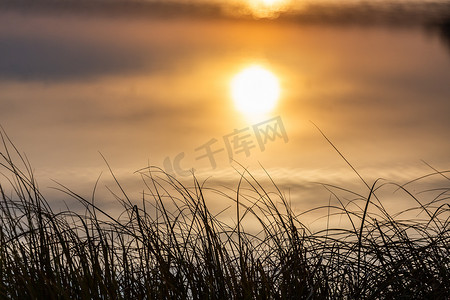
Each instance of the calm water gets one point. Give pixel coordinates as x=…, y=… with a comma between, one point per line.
x=154, y=89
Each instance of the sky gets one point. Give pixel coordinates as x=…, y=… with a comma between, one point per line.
x=151, y=87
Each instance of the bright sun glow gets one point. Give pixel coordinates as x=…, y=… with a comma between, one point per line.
x=269, y=2
x=267, y=8
x=255, y=91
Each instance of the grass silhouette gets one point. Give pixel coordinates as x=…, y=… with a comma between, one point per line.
x=171, y=246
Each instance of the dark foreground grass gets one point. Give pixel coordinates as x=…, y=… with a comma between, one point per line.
x=171, y=246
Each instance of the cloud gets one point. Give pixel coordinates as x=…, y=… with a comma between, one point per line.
x=39, y=55
x=81, y=49
x=444, y=31
x=31, y=58
x=308, y=11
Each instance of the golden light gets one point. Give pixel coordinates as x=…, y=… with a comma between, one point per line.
x=267, y=8
x=255, y=91
x=270, y=2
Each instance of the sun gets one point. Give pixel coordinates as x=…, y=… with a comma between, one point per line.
x=269, y=2
x=266, y=2
x=255, y=90
x=267, y=8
